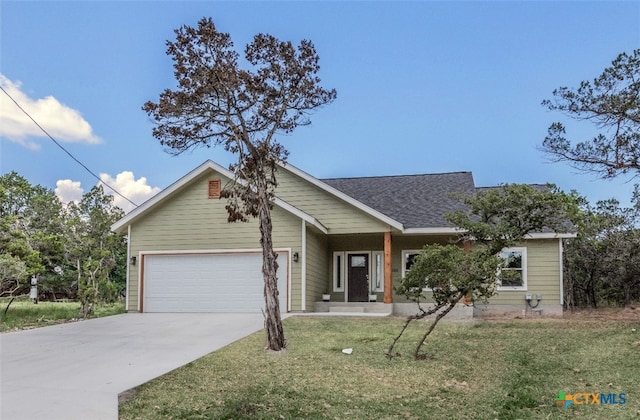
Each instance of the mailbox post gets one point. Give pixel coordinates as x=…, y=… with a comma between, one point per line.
x=33, y=294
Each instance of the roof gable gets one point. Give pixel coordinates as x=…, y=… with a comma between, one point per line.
x=409, y=203
x=171, y=190
x=346, y=198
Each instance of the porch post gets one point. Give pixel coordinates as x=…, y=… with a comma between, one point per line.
x=388, y=283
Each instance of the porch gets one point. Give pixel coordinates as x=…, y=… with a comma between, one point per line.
x=460, y=312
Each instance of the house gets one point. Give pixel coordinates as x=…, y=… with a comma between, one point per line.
x=353, y=238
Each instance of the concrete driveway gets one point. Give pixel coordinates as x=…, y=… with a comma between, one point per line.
x=76, y=370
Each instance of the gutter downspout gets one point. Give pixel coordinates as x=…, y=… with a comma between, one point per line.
x=126, y=294
x=561, y=252
x=303, y=268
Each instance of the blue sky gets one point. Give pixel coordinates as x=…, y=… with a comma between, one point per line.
x=423, y=87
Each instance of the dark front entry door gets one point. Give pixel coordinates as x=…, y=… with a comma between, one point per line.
x=358, y=277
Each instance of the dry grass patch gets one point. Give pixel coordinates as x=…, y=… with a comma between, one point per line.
x=24, y=314
x=481, y=370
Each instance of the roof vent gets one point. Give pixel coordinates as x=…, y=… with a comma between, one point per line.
x=214, y=188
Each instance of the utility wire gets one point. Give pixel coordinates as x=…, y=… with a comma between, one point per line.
x=65, y=150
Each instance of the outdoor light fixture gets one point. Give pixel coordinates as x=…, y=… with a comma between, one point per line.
x=132, y=260
x=295, y=257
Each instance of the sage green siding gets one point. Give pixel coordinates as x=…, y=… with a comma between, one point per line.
x=337, y=215
x=317, y=262
x=543, y=268
x=543, y=274
x=189, y=220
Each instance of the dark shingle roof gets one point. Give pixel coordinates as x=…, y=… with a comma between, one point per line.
x=416, y=201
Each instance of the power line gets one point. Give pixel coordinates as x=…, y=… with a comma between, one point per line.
x=65, y=150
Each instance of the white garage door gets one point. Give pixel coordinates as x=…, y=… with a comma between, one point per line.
x=208, y=283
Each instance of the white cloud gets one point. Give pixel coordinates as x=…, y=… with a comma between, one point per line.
x=61, y=122
x=68, y=190
x=137, y=191
x=125, y=183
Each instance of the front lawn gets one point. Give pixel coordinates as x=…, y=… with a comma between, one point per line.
x=509, y=369
x=23, y=313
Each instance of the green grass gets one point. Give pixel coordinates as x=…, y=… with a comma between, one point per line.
x=24, y=313
x=484, y=370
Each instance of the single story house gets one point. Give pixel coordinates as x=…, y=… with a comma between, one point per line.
x=350, y=238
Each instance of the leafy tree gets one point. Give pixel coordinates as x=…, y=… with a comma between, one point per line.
x=497, y=218
x=38, y=236
x=602, y=264
x=91, y=246
x=13, y=272
x=21, y=235
x=612, y=103
x=219, y=103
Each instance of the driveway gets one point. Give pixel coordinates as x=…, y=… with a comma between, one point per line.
x=76, y=370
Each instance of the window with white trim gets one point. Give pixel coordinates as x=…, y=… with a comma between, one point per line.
x=407, y=260
x=515, y=268
x=338, y=271
x=377, y=275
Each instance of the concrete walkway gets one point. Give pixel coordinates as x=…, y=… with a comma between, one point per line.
x=76, y=370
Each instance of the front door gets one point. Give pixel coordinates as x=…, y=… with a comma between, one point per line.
x=358, y=280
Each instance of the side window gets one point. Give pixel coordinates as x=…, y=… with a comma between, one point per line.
x=514, y=272
x=377, y=283
x=338, y=271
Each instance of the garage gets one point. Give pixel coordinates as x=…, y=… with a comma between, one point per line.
x=207, y=282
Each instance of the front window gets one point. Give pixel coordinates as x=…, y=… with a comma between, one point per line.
x=338, y=271
x=377, y=285
x=513, y=275
x=408, y=258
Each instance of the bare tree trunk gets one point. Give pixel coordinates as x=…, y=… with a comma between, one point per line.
x=569, y=299
x=441, y=315
x=273, y=321
x=419, y=315
x=592, y=291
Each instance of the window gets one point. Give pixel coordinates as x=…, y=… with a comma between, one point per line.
x=214, y=188
x=408, y=257
x=338, y=271
x=359, y=261
x=377, y=283
x=407, y=260
x=514, y=273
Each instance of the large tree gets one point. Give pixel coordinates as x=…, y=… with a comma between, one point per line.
x=602, y=264
x=612, y=103
x=218, y=102
x=496, y=218
x=91, y=247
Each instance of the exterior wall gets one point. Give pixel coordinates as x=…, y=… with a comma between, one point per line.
x=407, y=243
x=338, y=216
x=543, y=277
x=189, y=220
x=317, y=262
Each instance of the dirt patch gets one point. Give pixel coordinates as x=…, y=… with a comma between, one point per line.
x=125, y=396
x=631, y=313
x=454, y=383
x=628, y=314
